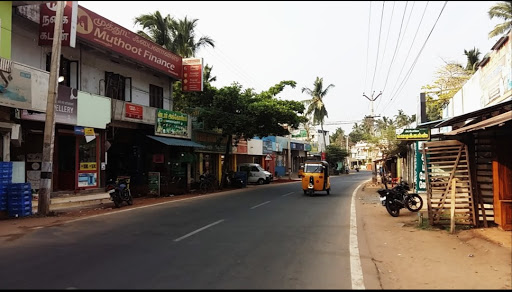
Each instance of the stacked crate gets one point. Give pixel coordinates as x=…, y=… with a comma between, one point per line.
x=19, y=200
x=5, y=181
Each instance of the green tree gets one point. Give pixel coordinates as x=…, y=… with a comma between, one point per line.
x=473, y=56
x=185, y=42
x=360, y=132
x=156, y=28
x=503, y=10
x=238, y=113
x=338, y=137
x=449, y=80
x=335, y=154
x=315, y=105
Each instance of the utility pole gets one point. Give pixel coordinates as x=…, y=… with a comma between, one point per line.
x=372, y=114
x=43, y=206
x=289, y=154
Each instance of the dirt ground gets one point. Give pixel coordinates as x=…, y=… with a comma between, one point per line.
x=395, y=252
x=404, y=255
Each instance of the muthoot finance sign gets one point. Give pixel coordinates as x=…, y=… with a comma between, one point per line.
x=101, y=31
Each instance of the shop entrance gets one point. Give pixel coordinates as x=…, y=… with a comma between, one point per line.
x=65, y=148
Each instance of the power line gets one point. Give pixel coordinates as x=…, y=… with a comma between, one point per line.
x=417, y=57
x=410, y=48
x=378, y=46
x=387, y=37
x=368, y=44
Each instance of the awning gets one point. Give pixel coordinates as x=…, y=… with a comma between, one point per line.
x=496, y=120
x=176, y=142
x=474, y=114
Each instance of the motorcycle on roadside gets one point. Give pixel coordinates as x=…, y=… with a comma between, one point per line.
x=119, y=192
x=398, y=198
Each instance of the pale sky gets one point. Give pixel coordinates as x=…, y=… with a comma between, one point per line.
x=260, y=43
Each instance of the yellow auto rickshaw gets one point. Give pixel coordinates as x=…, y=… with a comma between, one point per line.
x=316, y=177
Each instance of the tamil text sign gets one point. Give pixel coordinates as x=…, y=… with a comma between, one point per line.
x=107, y=34
x=47, y=16
x=172, y=124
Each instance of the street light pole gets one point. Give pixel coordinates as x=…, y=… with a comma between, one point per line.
x=43, y=206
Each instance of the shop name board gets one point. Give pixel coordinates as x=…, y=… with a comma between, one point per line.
x=173, y=124
x=108, y=34
x=413, y=134
x=47, y=17
x=133, y=111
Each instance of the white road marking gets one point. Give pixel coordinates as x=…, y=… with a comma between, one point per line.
x=287, y=194
x=355, y=261
x=260, y=204
x=199, y=230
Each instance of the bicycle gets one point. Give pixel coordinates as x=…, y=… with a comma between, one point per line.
x=207, y=182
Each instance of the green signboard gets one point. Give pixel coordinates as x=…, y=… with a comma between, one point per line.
x=173, y=124
x=413, y=134
x=154, y=183
x=421, y=185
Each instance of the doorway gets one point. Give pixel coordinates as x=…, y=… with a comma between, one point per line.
x=66, y=156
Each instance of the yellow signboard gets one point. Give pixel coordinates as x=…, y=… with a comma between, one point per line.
x=88, y=166
x=89, y=131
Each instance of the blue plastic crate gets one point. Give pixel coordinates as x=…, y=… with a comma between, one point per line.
x=4, y=164
x=3, y=206
x=19, y=197
x=19, y=186
x=5, y=181
x=6, y=170
x=20, y=213
x=12, y=205
x=12, y=193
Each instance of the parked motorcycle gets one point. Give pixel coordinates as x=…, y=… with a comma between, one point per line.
x=233, y=180
x=119, y=192
x=399, y=197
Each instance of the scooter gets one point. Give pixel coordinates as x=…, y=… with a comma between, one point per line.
x=119, y=192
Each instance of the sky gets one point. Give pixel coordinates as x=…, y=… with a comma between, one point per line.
x=383, y=51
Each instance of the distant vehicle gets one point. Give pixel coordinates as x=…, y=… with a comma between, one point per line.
x=255, y=173
x=301, y=170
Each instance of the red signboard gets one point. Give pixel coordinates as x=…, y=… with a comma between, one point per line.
x=107, y=34
x=47, y=18
x=133, y=111
x=192, y=74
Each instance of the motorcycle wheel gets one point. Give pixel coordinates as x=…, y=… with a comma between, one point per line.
x=392, y=208
x=117, y=202
x=413, y=202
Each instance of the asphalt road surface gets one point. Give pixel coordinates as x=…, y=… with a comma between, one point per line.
x=260, y=237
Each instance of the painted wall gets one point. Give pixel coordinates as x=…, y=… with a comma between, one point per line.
x=5, y=32
x=255, y=147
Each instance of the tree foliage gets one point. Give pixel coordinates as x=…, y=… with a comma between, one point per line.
x=449, y=80
x=503, y=10
x=335, y=154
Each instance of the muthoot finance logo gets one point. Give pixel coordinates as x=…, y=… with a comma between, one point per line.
x=84, y=22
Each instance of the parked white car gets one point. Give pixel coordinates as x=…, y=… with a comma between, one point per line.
x=255, y=173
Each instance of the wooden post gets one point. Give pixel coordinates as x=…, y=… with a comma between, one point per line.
x=43, y=206
x=452, y=211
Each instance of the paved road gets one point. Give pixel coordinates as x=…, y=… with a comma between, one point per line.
x=266, y=237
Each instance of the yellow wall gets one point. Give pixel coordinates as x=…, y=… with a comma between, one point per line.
x=6, y=28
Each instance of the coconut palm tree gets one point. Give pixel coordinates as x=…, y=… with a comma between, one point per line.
x=184, y=38
x=156, y=28
x=502, y=9
x=473, y=56
x=207, y=74
x=315, y=105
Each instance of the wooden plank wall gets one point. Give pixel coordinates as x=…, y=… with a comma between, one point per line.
x=484, y=184
x=446, y=161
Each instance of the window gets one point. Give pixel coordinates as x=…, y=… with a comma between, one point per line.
x=64, y=70
x=115, y=85
x=156, y=96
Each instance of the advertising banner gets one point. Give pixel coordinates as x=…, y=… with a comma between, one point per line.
x=172, y=124
x=413, y=134
x=133, y=111
x=107, y=34
x=65, y=108
x=192, y=74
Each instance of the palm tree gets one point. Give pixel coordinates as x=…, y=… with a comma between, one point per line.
x=207, y=74
x=158, y=28
x=316, y=105
x=502, y=9
x=473, y=59
x=184, y=38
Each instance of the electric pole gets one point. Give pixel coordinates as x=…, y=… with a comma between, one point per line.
x=372, y=114
x=43, y=206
